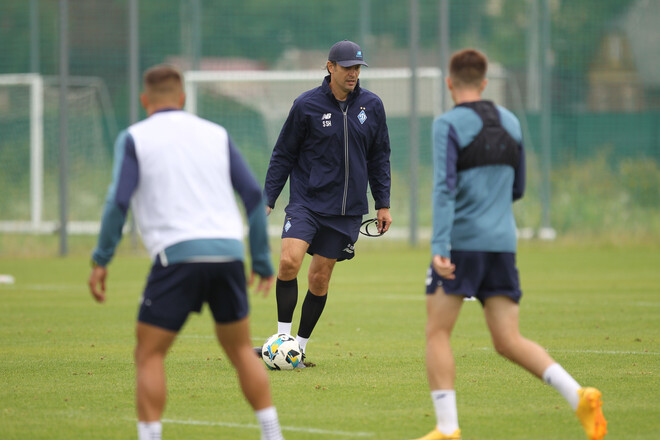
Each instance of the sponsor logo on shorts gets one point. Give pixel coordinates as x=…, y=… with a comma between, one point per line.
x=287, y=226
x=349, y=249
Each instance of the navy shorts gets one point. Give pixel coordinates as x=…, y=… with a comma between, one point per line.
x=173, y=291
x=331, y=236
x=480, y=275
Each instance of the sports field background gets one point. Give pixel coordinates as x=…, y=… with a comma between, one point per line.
x=66, y=368
x=590, y=117
x=591, y=297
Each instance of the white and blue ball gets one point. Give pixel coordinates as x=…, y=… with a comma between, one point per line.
x=281, y=352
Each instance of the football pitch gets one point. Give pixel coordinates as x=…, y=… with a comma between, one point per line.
x=66, y=367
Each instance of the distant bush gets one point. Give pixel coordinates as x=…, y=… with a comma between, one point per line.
x=600, y=197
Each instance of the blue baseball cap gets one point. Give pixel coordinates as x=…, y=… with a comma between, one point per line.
x=346, y=54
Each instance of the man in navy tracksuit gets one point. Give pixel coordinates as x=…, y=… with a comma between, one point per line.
x=334, y=141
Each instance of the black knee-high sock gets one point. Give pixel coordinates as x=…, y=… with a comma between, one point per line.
x=286, y=293
x=311, y=312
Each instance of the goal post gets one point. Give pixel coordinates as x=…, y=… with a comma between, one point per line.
x=29, y=109
x=35, y=83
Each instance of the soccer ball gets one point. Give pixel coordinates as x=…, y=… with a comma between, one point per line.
x=281, y=352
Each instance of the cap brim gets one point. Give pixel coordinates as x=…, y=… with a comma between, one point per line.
x=350, y=63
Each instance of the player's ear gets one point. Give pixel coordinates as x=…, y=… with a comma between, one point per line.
x=450, y=84
x=330, y=66
x=182, y=100
x=483, y=85
x=144, y=100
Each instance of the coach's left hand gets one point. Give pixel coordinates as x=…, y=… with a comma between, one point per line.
x=384, y=220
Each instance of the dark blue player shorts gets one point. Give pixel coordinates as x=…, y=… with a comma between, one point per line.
x=331, y=236
x=480, y=275
x=173, y=291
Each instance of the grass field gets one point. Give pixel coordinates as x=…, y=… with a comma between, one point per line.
x=66, y=368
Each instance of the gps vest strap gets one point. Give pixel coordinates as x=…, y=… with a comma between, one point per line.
x=493, y=145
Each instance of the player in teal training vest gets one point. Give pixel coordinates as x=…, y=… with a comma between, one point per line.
x=479, y=170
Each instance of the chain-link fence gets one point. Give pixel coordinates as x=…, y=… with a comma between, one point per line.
x=583, y=77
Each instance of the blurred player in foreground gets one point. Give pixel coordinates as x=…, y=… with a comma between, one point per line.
x=180, y=172
x=334, y=142
x=479, y=170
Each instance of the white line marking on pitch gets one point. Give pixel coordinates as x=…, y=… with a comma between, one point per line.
x=192, y=336
x=209, y=336
x=647, y=304
x=284, y=428
x=651, y=353
x=53, y=287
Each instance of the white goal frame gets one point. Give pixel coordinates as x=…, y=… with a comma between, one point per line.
x=36, y=84
x=430, y=92
x=290, y=83
x=271, y=94
x=37, y=87
x=194, y=77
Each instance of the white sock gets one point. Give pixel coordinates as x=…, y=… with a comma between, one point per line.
x=284, y=327
x=149, y=430
x=302, y=342
x=446, y=414
x=270, y=425
x=563, y=382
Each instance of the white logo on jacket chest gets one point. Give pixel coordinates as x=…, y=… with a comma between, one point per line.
x=326, y=120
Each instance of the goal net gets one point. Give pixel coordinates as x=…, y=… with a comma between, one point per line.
x=29, y=152
x=271, y=93
x=253, y=105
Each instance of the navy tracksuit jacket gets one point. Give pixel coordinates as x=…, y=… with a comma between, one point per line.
x=330, y=155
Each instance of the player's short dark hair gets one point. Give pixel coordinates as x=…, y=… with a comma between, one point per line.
x=163, y=79
x=468, y=67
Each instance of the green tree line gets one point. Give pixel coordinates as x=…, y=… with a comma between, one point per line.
x=264, y=29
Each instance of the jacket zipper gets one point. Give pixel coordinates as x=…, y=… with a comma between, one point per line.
x=346, y=164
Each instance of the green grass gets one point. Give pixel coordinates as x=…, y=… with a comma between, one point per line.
x=66, y=368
